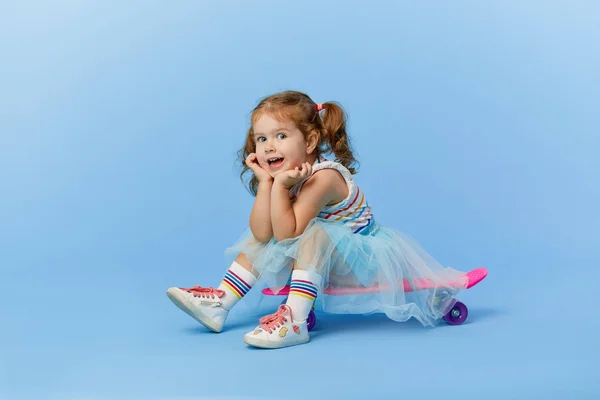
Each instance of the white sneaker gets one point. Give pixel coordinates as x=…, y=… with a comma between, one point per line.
x=202, y=304
x=278, y=330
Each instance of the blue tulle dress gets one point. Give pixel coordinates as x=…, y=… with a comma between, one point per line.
x=350, y=249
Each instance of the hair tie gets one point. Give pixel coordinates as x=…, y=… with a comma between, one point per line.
x=320, y=107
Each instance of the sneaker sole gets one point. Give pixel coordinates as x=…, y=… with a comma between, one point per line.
x=265, y=344
x=185, y=306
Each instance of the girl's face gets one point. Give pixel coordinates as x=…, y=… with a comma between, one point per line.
x=280, y=146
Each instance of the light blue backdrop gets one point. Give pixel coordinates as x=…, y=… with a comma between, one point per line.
x=476, y=124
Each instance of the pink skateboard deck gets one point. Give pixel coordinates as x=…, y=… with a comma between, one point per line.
x=473, y=278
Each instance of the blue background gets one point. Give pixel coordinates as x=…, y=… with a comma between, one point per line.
x=476, y=124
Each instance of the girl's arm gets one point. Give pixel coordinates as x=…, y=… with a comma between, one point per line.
x=260, y=217
x=325, y=187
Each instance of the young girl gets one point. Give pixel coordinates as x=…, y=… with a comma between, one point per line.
x=312, y=223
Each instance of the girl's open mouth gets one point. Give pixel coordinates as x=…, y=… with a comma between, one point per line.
x=275, y=162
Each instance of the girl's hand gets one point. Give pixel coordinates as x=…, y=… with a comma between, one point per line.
x=261, y=174
x=289, y=178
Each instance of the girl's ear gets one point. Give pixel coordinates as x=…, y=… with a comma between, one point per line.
x=312, y=141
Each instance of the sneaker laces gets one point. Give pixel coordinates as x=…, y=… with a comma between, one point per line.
x=199, y=291
x=273, y=321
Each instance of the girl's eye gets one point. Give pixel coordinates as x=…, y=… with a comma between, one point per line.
x=260, y=139
x=281, y=136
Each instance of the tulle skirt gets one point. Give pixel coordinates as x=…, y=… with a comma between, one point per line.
x=377, y=270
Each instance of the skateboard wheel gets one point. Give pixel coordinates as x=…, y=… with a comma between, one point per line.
x=311, y=320
x=457, y=315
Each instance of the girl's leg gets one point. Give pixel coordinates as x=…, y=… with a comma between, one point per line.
x=306, y=279
x=304, y=287
x=288, y=326
x=316, y=255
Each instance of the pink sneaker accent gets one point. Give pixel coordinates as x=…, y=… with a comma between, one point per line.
x=278, y=330
x=199, y=291
x=271, y=322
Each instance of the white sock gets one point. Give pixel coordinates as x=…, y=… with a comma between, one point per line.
x=303, y=292
x=236, y=283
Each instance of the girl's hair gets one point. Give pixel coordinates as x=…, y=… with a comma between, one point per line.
x=329, y=124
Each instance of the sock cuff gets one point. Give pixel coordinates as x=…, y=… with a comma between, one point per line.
x=311, y=276
x=237, y=280
x=242, y=274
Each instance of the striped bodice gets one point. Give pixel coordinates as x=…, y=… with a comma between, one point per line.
x=354, y=211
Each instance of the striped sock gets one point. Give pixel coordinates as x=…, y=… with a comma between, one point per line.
x=303, y=292
x=236, y=283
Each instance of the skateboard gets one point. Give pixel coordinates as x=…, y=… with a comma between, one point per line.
x=456, y=316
